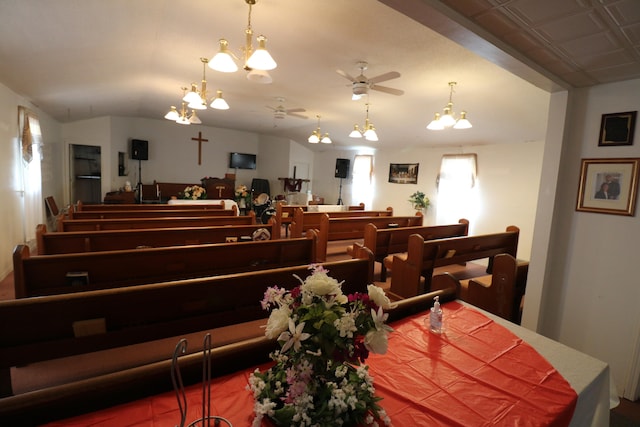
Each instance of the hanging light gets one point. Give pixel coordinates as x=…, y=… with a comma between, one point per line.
x=316, y=136
x=448, y=119
x=258, y=59
x=197, y=100
x=194, y=119
x=183, y=119
x=368, y=130
x=218, y=102
x=172, y=114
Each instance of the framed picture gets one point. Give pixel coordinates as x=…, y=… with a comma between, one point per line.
x=403, y=173
x=608, y=186
x=617, y=128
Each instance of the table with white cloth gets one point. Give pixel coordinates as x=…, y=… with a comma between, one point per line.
x=326, y=208
x=228, y=203
x=482, y=371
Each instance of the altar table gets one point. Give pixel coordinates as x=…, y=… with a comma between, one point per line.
x=228, y=203
x=483, y=371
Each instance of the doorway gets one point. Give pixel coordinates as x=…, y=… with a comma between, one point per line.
x=85, y=174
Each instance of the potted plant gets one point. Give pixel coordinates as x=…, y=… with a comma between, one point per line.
x=419, y=201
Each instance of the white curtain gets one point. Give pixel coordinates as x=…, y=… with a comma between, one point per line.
x=457, y=189
x=362, y=187
x=31, y=148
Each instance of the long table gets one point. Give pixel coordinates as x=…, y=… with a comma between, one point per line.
x=481, y=371
x=228, y=203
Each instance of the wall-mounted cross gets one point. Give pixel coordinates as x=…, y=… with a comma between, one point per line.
x=200, y=140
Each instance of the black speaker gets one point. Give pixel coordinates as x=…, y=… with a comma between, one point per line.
x=342, y=168
x=139, y=149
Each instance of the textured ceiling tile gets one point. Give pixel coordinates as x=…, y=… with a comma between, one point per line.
x=469, y=8
x=497, y=23
x=605, y=60
x=561, y=68
x=624, y=12
x=543, y=56
x=615, y=73
x=522, y=41
x=572, y=27
x=535, y=12
x=632, y=33
x=580, y=79
x=590, y=45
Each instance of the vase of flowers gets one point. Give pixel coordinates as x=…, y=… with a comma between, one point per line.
x=419, y=201
x=194, y=192
x=243, y=197
x=319, y=377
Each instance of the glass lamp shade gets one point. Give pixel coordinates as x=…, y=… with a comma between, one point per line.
x=183, y=120
x=325, y=139
x=314, y=138
x=172, y=114
x=462, y=123
x=447, y=119
x=223, y=60
x=192, y=96
x=355, y=133
x=261, y=59
x=198, y=104
x=435, y=123
x=259, y=76
x=194, y=119
x=370, y=134
x=218, y=102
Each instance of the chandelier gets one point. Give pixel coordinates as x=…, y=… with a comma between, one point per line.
x=197, y=100
x=448, y=119
x=316, y=136
x=181, y=116
x=368, y=130
x=257, y=61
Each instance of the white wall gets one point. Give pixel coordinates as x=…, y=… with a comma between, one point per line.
x=591, y=292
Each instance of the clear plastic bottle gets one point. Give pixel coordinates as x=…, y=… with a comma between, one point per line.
x=435, y=317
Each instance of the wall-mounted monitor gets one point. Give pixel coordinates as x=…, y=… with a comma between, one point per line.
x=242, y=161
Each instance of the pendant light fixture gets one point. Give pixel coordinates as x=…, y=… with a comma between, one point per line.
x=257, y=61
x=197, y=100
x=368, y=130
x=316, y=136
x=448, y=119
x=182, y=117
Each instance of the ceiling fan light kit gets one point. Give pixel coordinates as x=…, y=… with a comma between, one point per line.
x=448, y=117
x=361, y=84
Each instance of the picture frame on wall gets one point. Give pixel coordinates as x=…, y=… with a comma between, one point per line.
x=617, y=129
x=608, y=186
x=403, y=173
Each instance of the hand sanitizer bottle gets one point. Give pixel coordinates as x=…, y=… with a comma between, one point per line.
x=435, y=317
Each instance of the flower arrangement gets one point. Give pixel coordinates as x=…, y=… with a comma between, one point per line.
x=319, y=377
x=419, y=200
x=242, y=194
x=194, y=192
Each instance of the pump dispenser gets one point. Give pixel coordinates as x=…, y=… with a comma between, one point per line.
x=435, y=317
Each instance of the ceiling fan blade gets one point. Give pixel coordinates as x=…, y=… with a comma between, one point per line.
x=386, y=89
x=383, y=77
x=295, y=110
x=300, y=116
x=271, y=108
x=345, y=75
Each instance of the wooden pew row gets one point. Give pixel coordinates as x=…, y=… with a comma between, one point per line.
x=305, y=220
x=387, y=241
x=49, y=243
x=333, y=229
x=499, y=293
x=161, y=222
x=127, y=316
x=150, y=213
x=67, y=273
x=425, y=255
x=82, y=207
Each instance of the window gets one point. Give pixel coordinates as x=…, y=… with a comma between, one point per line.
x=457, y=185
x=362, y=188
x=31, y=149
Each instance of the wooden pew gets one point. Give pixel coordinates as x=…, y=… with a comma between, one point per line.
x=150, y=213
x=58, y=326
x=82, y=207
x=48, y=243
x=387, y=241
x=305, y=220
x=499, y=293
x=332, y=229
x=412, y=275
x=284, y=215
x=161, y=222
x=67, y=273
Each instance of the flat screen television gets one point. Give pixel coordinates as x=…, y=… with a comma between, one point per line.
x=242, y=161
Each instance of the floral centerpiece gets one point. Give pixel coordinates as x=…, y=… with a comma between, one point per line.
x=243, y=196
x=194, y=192
x=319, y=377
x=419, y=201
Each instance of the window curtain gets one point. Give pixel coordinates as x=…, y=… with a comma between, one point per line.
x=457, y=189
x=31, y=149
x=362, y=187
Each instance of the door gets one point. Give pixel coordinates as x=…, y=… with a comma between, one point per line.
x=85, y=174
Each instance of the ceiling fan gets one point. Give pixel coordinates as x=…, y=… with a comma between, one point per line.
x=280, y=112
x=361, y=84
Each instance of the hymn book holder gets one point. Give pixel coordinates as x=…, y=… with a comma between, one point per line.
x=178, y=386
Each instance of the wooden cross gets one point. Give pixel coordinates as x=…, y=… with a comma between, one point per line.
x=200, y=140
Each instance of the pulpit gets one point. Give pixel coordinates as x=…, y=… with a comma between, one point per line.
x=220, y=188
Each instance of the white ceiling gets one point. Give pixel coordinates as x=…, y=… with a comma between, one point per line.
x=91, y=58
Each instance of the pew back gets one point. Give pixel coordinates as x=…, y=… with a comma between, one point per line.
x=423, y=256
x=67, y=273
x=304, y=220
x=149, y=213
x=62, y=325
x=82, y=207
x=161, y=222
x=110, y=240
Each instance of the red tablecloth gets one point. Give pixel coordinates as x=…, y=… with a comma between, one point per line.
x=475, y=374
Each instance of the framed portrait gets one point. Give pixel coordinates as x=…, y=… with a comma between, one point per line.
x=617, y=128
x=608, y=186
x=403, y=173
